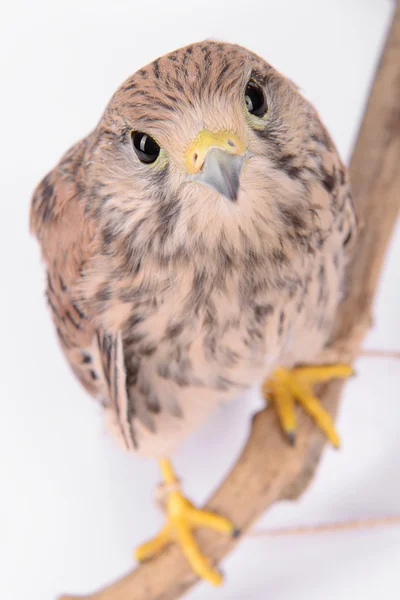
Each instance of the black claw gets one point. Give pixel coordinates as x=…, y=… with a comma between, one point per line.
x=292, y=438
x=236, y=532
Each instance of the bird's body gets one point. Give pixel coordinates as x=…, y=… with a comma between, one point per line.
x=170, y=295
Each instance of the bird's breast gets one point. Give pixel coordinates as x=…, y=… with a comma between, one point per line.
x=214, y=341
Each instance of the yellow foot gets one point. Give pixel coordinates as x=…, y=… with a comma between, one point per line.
x=182, y=518
x=285, y=386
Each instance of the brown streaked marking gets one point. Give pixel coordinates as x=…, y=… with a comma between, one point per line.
x=281, y=322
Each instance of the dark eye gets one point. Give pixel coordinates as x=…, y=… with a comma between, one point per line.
x=145, y=147
x=256, y=102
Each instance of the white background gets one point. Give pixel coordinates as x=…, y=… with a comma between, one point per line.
x=72, y=505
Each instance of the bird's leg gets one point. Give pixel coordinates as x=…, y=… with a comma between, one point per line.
x=287, y=386
x=182, y=518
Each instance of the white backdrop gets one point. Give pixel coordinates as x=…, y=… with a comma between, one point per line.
x=72, y=505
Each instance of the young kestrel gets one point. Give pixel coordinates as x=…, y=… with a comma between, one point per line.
x=195, y=243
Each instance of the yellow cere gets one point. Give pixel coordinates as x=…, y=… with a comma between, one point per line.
x=198, y=149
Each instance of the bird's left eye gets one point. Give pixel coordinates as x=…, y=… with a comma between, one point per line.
x=145, y=147
x=256, y=102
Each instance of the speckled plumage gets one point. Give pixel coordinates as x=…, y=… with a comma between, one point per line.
x=167, y=297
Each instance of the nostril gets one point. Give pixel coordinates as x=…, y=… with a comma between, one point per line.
x=195, y=157
x=231, y=143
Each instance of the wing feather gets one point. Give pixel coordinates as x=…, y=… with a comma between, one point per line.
x=68, y=241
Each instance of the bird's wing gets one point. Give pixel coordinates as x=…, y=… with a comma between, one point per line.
x=68, y=238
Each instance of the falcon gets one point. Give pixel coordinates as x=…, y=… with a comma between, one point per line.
x=195, y=244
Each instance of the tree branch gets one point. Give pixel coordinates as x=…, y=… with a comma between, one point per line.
x=270, y=470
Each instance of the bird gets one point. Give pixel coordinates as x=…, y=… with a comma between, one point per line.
x=195, y=244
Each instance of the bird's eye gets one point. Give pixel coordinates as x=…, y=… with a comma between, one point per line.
x=256, y=102
x=145, y=147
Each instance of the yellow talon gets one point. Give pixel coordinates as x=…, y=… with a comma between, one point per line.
x=153, y=546
x=182, y=518
x=285, y=386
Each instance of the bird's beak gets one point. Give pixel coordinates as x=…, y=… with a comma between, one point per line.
x=216, y=160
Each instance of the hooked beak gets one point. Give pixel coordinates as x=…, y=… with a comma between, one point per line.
x=216, y=160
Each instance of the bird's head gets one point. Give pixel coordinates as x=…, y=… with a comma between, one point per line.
x=207, y=146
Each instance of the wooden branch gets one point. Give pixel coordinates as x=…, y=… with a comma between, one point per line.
x=270, y=470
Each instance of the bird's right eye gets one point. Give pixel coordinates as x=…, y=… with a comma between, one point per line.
x=145, y=147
